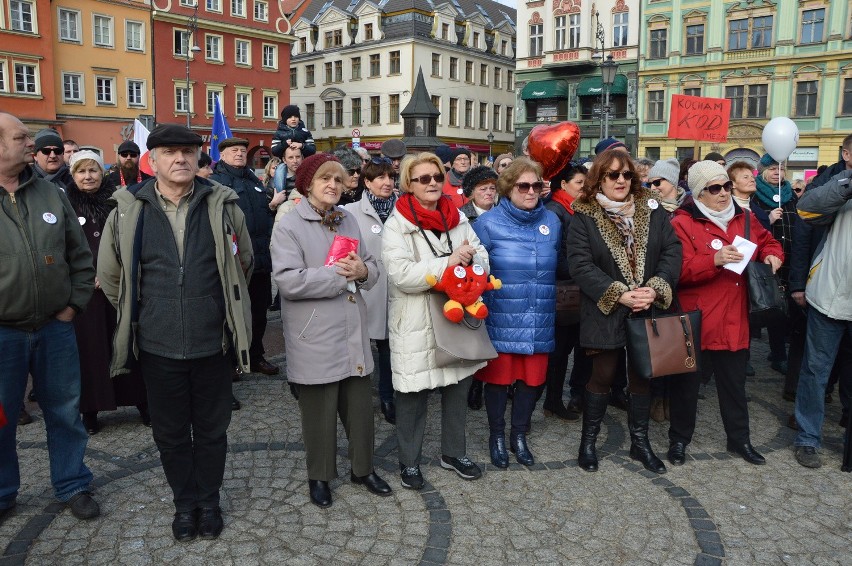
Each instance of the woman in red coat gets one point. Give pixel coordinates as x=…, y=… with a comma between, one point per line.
x=707, y=226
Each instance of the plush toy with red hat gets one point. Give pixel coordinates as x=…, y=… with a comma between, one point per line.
x=464, y=287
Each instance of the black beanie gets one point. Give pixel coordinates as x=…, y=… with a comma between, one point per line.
x=476, y=176
x=291, y=110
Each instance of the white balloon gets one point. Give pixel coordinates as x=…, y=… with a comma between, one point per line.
x=780, y=138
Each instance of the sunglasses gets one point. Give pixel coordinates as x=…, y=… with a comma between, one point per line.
x=614, y=175
x=128, y=154
x=353, y=171
x=53, y=150
x=655, y=182
x=381, y=161
x=425, y=179
x=537, y=187
x=715, y=189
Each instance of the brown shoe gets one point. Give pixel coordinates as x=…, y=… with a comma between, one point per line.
x=264, y=367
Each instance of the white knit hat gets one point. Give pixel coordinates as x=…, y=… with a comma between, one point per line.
x=85, y=154
x=668, y=170
x=702, y=173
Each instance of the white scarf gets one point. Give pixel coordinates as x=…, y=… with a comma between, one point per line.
x=745, y=203
x=720, y=218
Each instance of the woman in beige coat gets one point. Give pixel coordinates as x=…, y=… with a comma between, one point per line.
x=325, y=327
x=423, y=236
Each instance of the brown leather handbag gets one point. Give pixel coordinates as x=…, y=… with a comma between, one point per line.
x=664, y=344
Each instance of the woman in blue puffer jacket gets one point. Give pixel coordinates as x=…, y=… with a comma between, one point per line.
x=522, y=238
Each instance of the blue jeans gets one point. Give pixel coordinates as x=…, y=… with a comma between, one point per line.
x=821, y=346
x=50, y=355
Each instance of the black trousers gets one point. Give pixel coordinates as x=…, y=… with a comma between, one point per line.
x=260, y=294
x=606, y=367
x=190, y=406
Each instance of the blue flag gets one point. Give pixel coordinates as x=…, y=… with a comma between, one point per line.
x=220, y=131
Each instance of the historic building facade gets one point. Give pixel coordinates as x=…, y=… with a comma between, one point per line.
x=561, y=44
x=355, y=63
x=786, y=58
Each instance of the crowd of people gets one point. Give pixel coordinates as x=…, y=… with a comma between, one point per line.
x=153, y=292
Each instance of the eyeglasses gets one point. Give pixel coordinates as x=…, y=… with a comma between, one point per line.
x=353, y=171
x=381, y=161
x=53, y=150
x=614, y=175
x=654, y=183
x=426, y=179
x=537, y=187
x=129, y=154
x=715, y=189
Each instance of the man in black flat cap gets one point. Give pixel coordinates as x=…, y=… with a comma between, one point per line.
x=394, y=150
x=232, y=171
x=126, y=171
x=174, y=259
x=50, y=158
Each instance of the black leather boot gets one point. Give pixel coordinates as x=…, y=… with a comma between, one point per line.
x=640, y=447
x=523, y=406
x=496, y=397
x=594, y=409
x=474, y=395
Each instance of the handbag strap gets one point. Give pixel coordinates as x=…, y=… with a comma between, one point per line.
x=747, y=224
x=686, y=337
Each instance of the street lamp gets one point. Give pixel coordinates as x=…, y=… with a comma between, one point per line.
x=191, y=27
x=490, y=138
x=608, y=71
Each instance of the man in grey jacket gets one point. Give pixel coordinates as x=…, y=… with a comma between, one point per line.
x=828, y=293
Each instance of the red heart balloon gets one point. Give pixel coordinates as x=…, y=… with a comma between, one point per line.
x=553, y=146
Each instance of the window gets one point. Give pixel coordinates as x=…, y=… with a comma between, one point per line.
x=329, y=114
x=135, y=92
x=338, y=112
x=269, y=58
x=309, y=75
x=468, y=113
x=510, y=122
x=498, y=77
x=213, y=47
x=692, y=91
x=503, y=47
x=356, y=111
x=812, y=24
x=242, y=50
x=574, y=31
x=243, y=107
x=303, y=45
x=483, y=74
x=134, y=36
x=761, y=33
x=560, y=25
x=495, y=117
x=105, y=90
x=806, y=98
x=261, y=11
x=536, y=39
x=181, y=43
x=468, y=72
x=333, y=38
x=338, y=71
x=655, y=105
x=445, y=31
x=375, y=65
x=454, y=68
x=757, y=98
x=393, y=108
x=238, y=8
x=659, y=49
x=375, y=114
x=483, y=115
x=475, y=40
x=25, y=78
x=737, y=34
x=436, y=102
x=72, y=87
x=695, y=39
x=21, y=15
x=270, y=106
x=212, y=95
x=736, y=94
x=294, y=77
x=328, y=72
x=454, y=111
x=356, y=68
x=436, y=64
x=310, y=117
x=69, y=25
x=394, y=63
x=102, y=31
x=510, y=80
x=619, y=29
x=368, y=32
x=214, y=6
x=845, y=109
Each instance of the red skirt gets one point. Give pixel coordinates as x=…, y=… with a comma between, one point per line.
x=505, y=369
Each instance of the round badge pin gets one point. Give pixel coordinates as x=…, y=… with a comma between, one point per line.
x=653, y=204
x=460, y=191
x=376, y=229
x=258, y=189
x=776, y=198
x=544, y=229
x=49, y=217
x=97, y=234
x=477, y=269
x=716, y=244
x=459, y=272
x=81, y=220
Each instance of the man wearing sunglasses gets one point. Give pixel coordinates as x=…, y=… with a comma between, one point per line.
x=126, y=172
x=49, y=158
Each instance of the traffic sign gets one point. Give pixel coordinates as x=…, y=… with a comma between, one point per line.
x=356, y=133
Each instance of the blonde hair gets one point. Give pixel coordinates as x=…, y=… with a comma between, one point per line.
x=410, y=162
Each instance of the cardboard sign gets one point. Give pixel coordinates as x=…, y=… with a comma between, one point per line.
x=699, y=118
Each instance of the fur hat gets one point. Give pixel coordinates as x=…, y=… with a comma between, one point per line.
x=306, y=171
x=290, y=110
x=702, y=173
x=394, y=149
x=48, y=138
x=83, y=155
x=475, y=176
x=668, y=169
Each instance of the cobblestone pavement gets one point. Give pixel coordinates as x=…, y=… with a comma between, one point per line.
x=714, y=510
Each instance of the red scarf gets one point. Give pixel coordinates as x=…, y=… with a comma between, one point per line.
x=443, y=219
x=562, y=197
x=121, y=176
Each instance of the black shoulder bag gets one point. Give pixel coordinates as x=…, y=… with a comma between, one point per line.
x=766, y=295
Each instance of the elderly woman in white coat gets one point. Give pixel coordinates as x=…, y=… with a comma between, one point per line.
x=372, y=211
x=325, y=327
x=424, y=236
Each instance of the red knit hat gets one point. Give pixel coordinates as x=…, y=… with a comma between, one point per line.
x=308, y=168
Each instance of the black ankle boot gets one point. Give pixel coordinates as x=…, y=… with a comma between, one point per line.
x=523, y=406
x=594, y=409
x=496, y=398
x=518, y=446
x=640, y=447
x=497, y=448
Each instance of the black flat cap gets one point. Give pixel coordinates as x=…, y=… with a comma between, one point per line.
x=395, y=149
x=172, y=134
x=129, y=145
x=231, y=142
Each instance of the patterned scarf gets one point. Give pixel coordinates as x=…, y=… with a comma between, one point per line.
x=621, y=214
x=331, y=218
x=382, y=206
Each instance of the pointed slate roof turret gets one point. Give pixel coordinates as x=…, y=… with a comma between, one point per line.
x=420, y=118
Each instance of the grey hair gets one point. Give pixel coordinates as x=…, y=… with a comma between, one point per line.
x=644, y=162
x=349, y=158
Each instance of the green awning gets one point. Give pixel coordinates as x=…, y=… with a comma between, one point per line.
x=593, y=86
x=545, y=89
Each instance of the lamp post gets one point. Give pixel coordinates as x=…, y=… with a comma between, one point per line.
x=191, y=28
x=490, y=138
x=608, y=70
x=597, y=57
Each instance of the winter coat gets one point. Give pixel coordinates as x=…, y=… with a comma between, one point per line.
x=114, y=177
x=255, y=206
x=826, y=175
x=288, y=205
x=298, y=134
x=598, y=264
x=829, y=288
x=564, y=216
x=782, y=230
x=118, y=268
x=325, y=324
x=372, y=229
x=469, y=211
x=523, y=248
x=412, y=339
x=46, y=262
x=720, y=294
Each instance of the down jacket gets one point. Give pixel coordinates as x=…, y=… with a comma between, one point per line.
x=599, y=265
x=412, y=340
x=523, y=248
